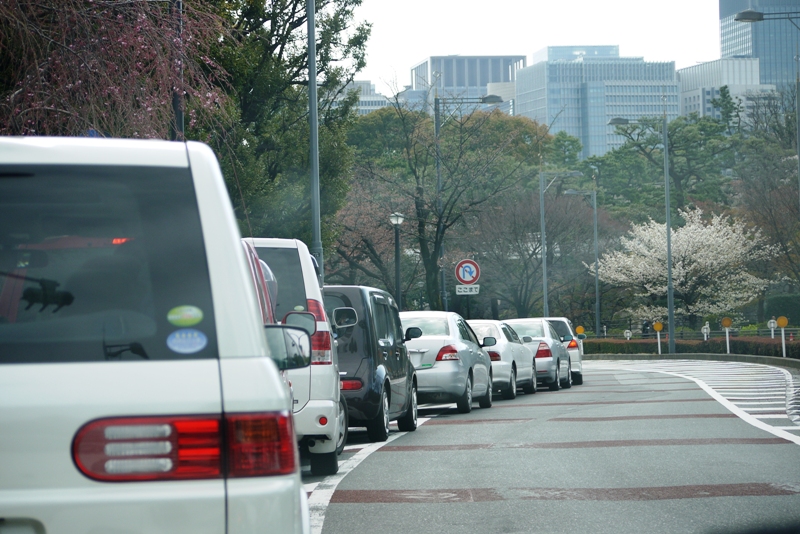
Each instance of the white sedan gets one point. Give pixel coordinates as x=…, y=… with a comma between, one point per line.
x=513, y=363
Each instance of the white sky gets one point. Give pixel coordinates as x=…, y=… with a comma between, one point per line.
x=406, y=32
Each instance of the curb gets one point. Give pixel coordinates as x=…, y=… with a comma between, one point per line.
x=789, y=363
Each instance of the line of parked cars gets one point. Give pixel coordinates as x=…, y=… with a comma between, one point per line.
x=158, y=373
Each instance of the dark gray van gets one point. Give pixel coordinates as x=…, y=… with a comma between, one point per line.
x=378, y=380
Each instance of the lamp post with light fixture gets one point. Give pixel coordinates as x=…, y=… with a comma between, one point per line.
x=593, y=196
x=542, y=189
x=437, y=125
x=618, y=121
x=397, y=219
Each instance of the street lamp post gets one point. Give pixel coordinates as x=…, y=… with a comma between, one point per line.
x=750, y=15
x=542, y=189
x=316, y=226
x=670, y=290
x=593, y=195
x=437, y=126
x=396, y=220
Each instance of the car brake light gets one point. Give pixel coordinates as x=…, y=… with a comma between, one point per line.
x=447, y=353
x=572, y=344
x=261, y=444
x=351, y=384
x=321, y=353
x=544, y=351
x=149, y=448
x=494, y=356
x=186, y=447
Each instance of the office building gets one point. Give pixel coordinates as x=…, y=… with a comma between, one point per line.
x=368, y=99
x=774, y=42
x=578, y=89
x=453, y=77
x=700, y=84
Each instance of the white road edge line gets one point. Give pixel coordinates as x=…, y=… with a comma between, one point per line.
x=321, y=496
x=746, y=417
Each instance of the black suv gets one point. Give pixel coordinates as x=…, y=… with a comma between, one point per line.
x=378, y=379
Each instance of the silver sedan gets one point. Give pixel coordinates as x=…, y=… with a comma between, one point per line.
x=551, y=356
x=512, y=361
x=451, y=364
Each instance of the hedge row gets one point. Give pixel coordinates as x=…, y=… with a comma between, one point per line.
x=755, y=346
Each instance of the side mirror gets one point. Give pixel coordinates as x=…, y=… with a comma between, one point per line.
x=527, y=339
x=304, y=320
x=581, y=336
x=566, y=338
x=344, y=317
x=489, y=342
x=289, y=347
x=413, y=333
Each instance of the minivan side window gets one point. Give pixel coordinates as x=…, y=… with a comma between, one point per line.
x=381, y=321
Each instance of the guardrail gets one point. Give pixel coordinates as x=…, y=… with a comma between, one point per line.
x=691, y=335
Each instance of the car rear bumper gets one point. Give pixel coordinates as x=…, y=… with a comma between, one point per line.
x=444, y=379
x=545, y=369
x=307, y=425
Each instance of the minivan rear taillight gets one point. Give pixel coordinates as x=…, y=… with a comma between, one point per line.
x=572, y=344
x=544, y=351
x=321, y=353
x=186, y=447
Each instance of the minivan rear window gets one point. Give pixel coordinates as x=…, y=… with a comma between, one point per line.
x=102, y=263
x=561, y=328
x=285, y=265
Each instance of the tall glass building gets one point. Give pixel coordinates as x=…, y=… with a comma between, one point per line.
x=578, y=89
x=774, y=42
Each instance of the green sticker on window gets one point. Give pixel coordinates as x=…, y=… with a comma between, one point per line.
x=185, y=315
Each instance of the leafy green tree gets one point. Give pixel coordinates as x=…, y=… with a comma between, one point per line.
x=266, y=156
x=699, y=150
x=483, y=156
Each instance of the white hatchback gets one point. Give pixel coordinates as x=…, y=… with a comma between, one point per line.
x=136, y=389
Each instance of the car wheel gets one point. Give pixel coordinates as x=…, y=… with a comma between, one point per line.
x=486, y=400
x=531, y=388
x=378, y=428
x=464, y=403
x=343, y=422
x=555, y=385
x=511, y=390
x=408, y=423
x=568, y=379
x=324, y=464
x=577, y=378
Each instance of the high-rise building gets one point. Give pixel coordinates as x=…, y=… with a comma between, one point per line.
x=700, y=84
x=774, y=42
x=578, y=89
x=368, y=99
x=463, y=76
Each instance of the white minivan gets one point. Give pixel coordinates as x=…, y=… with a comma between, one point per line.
x=137, y=392
x=320, y=409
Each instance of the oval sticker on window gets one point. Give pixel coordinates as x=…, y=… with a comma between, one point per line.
x=185, y=315
x=187, y=341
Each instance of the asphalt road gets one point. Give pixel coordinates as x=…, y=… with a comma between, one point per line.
x=640, y=447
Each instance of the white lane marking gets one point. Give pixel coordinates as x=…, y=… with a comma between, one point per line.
x=771, y=416
x=320, y=498
x=742, y=414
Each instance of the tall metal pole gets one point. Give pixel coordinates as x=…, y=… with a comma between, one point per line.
x=316, y=229
x=177, y=129
x=797, y=114
x=397, y=295
x=670, y=301
x=437, y=124
x=546, y=308
x=596, y=271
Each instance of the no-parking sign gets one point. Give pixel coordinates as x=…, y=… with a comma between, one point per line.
x=467, y=272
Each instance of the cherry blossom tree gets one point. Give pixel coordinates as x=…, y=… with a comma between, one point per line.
x=85, y=67
x=712, y=269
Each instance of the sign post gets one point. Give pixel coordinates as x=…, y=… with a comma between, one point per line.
x=468, y=272
x=783, y=322
x=726, y=323
x=657, y=326
x=706, y=330
x=772, y=324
